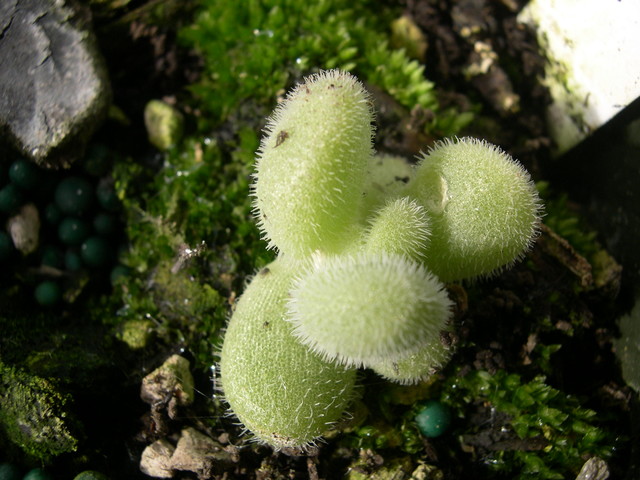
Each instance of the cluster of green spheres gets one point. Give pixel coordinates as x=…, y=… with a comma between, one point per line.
x=73, y=217
x=9, y=471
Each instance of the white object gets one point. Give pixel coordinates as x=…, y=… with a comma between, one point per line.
x=593, y=67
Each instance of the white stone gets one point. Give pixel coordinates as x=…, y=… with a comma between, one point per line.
x=156, y=459
x=593, y=68
x=24, y=228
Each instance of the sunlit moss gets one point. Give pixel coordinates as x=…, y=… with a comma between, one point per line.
x=256, y=49
x=33, y=414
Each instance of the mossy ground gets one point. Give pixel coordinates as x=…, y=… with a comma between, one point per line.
x=535, y=340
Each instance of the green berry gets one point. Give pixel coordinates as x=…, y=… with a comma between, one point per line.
x=483, y=205
x=104, y=224
x=11, y=198
x=433, y=419
x=6, y=246
x=25, y=174
x=74, y=196
x=37, y=474
x=48, y=293
x=362, y=309
x=73, y=231
x=282, y=392
x=72, y=260
x=312, y=163
x=95, y=252
x=90, y=475
x=52, y=214
x=9, y=472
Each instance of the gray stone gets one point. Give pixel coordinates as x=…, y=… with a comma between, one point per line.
x=54, y=89
x=594, y=469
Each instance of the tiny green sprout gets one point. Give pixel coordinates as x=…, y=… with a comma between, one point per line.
x=312, y=164
x=359, y=310
x=484, y=207
x=283, y=393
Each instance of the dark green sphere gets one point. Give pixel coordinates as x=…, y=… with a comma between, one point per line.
x=95, y=252
x=25, y=174
x=91, y=475
x=72, y=260
x=48, y=293
x=6, y=246
x=104, y=224
x=434, y=419
x=10, y=198
x=37, y=474
x=74, y=195
x=52, y=214
x=73, y=231
x=9, y=472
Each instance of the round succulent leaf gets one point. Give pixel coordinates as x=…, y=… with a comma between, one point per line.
x=361, y=309
x=311, y=165
x=484, y=207
x=282, y=392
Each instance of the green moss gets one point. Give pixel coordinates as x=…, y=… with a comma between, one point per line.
x=192, y=239
x=558, y=431
x=33, y=414
x=256, y=49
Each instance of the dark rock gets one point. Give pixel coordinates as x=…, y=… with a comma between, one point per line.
x=54, y=89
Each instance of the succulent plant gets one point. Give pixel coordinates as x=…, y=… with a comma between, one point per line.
x=364, y=243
